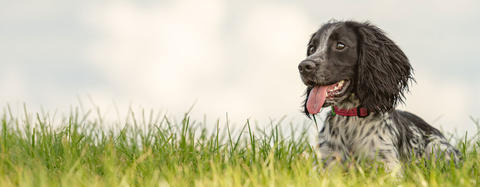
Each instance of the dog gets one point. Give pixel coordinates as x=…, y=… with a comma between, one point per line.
x=360, y=73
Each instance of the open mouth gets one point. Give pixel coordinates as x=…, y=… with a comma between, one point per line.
x=319, y=94
x=337, y=89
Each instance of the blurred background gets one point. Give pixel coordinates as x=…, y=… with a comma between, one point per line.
x=235, y=57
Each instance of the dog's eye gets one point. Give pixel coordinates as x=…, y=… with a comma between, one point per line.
x=311, y=49
x=340, y=46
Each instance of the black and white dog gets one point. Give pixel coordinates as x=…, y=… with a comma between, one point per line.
x=359, y=72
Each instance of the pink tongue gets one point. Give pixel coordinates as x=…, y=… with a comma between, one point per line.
x=316, y=98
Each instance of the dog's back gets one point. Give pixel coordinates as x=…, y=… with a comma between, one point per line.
x=422, y=139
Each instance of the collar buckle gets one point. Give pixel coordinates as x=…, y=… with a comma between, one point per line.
x=362, y=112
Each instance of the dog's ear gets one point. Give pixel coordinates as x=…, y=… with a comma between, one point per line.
x=383, y=70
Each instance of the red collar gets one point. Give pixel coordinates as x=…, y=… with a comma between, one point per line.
x=360, y=112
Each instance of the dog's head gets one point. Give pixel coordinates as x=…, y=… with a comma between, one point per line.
x=351, y=58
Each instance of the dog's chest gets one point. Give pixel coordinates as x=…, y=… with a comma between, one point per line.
x=355, y=135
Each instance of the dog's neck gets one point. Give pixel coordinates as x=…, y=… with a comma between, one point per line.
x=350, y=102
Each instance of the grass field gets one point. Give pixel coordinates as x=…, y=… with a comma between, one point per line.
x=150, y=150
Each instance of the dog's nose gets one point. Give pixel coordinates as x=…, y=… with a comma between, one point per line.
x=306, y=66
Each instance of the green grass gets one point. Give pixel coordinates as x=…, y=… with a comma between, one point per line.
x=153, y=150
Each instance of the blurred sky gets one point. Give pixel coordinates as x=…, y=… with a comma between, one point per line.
x=238, y=57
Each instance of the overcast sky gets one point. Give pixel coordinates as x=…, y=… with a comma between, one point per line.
x=238, y=57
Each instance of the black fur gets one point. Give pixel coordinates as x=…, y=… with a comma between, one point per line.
x=383, y=70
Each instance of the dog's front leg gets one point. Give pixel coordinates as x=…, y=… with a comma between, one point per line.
x=327, y=155
x=387, y=154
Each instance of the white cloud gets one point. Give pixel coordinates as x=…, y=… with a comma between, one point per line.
x=158, y=53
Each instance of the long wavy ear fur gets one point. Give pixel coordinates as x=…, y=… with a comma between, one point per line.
x=383, y=69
